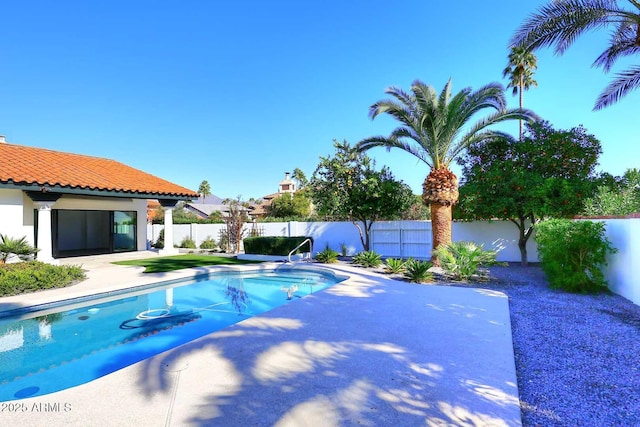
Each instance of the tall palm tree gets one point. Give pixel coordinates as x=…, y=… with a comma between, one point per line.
x=204, y=190
x=560, y=22
x=434, y=129
x=522, y=63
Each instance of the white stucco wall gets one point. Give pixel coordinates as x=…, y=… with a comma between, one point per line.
x=14, y=222
x=501, y=236
x=623, y=271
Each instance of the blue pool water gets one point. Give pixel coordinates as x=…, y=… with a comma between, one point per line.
x=51, y=350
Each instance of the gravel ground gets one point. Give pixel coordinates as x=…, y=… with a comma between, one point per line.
x=577, y=356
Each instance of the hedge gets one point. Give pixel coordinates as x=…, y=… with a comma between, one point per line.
x=274, y=245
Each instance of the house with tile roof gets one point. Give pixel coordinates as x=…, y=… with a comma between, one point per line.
x=70, y=204
x=286, y=186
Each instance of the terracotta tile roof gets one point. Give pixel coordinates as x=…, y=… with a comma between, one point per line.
x=24, y=165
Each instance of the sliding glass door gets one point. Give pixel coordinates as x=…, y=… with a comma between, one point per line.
x=124, y=231
x=80, y=232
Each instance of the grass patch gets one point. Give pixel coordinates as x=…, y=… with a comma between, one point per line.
x=179, y=262
x=32, y=276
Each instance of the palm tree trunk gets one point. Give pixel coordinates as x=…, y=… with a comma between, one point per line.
x=520, y=93
x=440, y=226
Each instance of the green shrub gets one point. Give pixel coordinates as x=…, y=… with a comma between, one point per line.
x=572, y=254
x=188, y=243
x=463, y=260
x=19, y=247
x=159, y=244
x=418, y=271
x=31, y=276
x=327, y=256
x=274, y=245
x=394, y=266
x=208, y=243
x=368, y=259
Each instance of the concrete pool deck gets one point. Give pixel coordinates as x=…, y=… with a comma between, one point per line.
x=368, y=351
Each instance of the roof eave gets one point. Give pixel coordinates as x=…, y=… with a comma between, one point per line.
x=96, y=192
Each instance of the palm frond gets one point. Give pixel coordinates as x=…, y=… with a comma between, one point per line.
x=623, y=84
x=430, y=123
x=397, y=110
x=478, y=132
x=561, y=22
x=392, y=142
x=623, y=43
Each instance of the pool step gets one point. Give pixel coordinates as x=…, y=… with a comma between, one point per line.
x=280, y=280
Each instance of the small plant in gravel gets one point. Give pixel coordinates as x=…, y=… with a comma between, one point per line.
x=394, y=266
x=344, y=249
x=188, y=243
x=463, y=260
x=418, y=271
x=572, y=254
x=368, y=259
x=159, y=244
x=327, y=256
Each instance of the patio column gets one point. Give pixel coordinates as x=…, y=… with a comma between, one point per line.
x=43, y=244
x=168, y=206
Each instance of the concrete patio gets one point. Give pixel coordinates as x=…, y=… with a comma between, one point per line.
x=369, y=351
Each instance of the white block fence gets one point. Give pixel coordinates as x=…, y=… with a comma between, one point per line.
x=413, y=239
x=400, y=239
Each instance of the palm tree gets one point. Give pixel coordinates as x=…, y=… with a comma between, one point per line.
x=431, y=128
x=300, y=178
x=204, y=189
x=560, y=22
x=520, y=72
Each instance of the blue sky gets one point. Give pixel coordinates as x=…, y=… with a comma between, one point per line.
x=239, y=92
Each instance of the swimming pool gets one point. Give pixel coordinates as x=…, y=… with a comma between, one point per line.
x=56, y=348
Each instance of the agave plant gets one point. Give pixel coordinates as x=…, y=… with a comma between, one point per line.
x=368, y=259
x=327, y=256
x=418, y=271
x=19, y=247
x=394, y=266
x=462, y=260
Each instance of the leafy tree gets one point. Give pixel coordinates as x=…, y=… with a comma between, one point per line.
x=204, y=190
x=183, y=216
x=216, y=217
x=417, y=211
x=621, y=198
x=434, y=128
x=547, y=174
x=288, y=205
x=347, y=187
x=561, y=22
x=522, y=63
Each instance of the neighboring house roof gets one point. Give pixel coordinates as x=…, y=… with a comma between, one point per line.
x=33, y=168
x=152, y=208
x=286, y=186
x=211, y=199
x=205, y=210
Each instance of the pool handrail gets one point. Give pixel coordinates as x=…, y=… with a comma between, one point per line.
x=299, y=246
